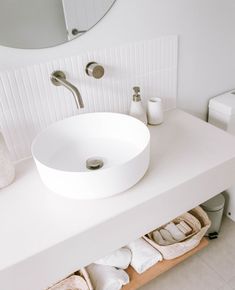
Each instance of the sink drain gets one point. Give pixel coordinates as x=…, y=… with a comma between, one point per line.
x=94, y=163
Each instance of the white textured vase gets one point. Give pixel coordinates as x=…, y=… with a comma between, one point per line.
x=7, y=169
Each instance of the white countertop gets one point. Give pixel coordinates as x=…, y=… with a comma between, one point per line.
x=44, y=237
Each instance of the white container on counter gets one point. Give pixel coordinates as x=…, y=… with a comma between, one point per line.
x=136, y=109
x=155, y=111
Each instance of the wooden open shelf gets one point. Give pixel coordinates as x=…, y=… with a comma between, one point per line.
x=138, y=280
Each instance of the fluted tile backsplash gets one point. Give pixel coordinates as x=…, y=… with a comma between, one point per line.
x=29, y=102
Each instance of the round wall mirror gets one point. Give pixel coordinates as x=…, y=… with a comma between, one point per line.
x=46, y=23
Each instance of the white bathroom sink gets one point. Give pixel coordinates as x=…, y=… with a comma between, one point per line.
x=91, y=156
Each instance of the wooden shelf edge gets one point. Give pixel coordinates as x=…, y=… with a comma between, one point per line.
x=138, y=280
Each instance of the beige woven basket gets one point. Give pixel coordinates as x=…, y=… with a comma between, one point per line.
x=78, y=280
x=198, y=220
x=83, y=272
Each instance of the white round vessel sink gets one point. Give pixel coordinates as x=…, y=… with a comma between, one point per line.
x=91, y=156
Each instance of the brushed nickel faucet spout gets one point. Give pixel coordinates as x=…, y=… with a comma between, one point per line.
x=58, y=78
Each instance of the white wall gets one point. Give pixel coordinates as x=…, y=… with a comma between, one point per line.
x=207, y=43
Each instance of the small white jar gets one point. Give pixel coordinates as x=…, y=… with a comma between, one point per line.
x=7, y=169
x=155, y=111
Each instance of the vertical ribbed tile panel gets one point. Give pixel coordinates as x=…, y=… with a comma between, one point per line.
x=29, y=102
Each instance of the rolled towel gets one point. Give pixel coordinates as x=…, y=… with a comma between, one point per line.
x=181, y=228
x=175, y=232
x=144, y=255
x=107, y=277
x=167, y=236
x=72, y=282
x=120, y=259
x=187, y=229
x=157, y=237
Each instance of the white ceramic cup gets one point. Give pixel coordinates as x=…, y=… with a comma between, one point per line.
x=155, y=111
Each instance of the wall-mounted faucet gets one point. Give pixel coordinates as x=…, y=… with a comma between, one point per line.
x=58, y=78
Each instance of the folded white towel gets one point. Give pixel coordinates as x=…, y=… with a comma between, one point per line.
x=175, y=232
x=73, y=282
x=144, y=255
x=120, y=259
x=167, y=236
x=107, y=277
x=157, y=237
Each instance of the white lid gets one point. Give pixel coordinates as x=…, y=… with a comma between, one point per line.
x=215, y=203
x=224, y=104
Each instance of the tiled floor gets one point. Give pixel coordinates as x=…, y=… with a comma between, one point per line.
x=212, y=269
